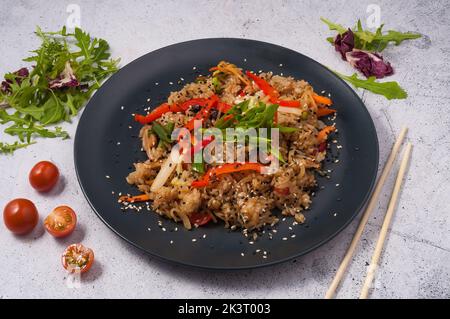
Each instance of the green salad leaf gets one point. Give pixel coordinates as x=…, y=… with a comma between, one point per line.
x=372, y=41
x=391, y=90
x=66, y=70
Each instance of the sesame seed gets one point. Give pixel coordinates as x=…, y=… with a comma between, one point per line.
x=130, y=127
x=258, y=250
x=122, y=107
x=284, y=238
x=171, y=83
x=251, y=242
x=337, y=185
x=181, y=79
x=156, y=83
x=280, y=65
x=148, y=100
x=118, y=143
x=242, y=254
x=171, y=242
x=245, y=59
x=194, y=240
x=264, y=257
x=108, y=177
x=194, y=68
x=163, y=229
x=293, y=236
x=204, y=236
x=335, y=214
x=336, y=161
x=112, y=192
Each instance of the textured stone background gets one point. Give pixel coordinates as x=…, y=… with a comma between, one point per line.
x=416, y=261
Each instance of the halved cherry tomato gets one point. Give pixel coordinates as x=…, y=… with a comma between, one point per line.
x=61, y=222
x=44, y=176
x=200, y=219
x=20, y=216
x=77, y=258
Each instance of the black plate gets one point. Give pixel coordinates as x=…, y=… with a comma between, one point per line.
x=104, y=124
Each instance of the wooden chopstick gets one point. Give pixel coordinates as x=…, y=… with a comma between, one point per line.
x=387, y=221
x=365, y=217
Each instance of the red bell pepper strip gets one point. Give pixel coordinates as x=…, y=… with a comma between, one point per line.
x=226, y=169
x=196, y=147
x=203, y=114
x=223, y=107
x=264, y=86
x=288, y=103
x=157, y=113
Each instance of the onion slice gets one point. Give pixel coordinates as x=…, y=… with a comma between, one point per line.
x=167, y=168
x=292, y=110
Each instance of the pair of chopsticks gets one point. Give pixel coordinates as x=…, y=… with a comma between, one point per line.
x=387, y=220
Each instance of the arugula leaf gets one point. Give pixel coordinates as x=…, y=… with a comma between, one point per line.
x=334, y=26
x=391, y=90
x=8, y=148
x=372, y=41
x=36, y=104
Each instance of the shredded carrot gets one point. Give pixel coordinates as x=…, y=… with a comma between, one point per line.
x=324, y=111
x=322, y=99
x=323, y=134
x=133, y=199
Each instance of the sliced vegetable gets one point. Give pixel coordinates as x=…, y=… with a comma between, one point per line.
x=226, y=169
x=167, y=168
x=264, y=86
x=203, y=114
x=61, y=221
x=288, y=103
x=158, y=112
x=291, y=110
x=322, y=100
x=323, y=133
x=198, y=167
x=324, y=111
x=134, y=199
x=77, y=258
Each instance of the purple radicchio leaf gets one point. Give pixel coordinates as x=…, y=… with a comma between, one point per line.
x=65, y=79
x=370, y=64
x=19, y=76
x=344, y=43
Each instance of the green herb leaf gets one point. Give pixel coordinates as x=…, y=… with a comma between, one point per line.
x=334, y=26
x=391, y=90
x=35, y=105
x=372, y=41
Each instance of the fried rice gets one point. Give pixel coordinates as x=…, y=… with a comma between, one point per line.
x=245, y=199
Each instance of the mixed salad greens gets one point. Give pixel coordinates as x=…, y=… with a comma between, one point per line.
x=66, y=69
x=361, y=48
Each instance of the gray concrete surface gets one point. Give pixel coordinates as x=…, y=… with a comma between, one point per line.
x=416, y=261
